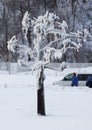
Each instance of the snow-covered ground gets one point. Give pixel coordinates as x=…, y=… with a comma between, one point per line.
x=67, y=108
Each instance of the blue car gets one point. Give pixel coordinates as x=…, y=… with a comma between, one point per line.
x=89, y=82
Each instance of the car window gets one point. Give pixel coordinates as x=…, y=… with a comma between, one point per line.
x=82, y=77
x=68, y=77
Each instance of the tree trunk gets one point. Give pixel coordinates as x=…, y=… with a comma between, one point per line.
x=40, y=94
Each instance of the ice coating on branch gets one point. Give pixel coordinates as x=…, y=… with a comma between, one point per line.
x=23, y=50
x=26, y=22
x=44, y=50
x=12, y=43
x=86, y=34
x=44, y=23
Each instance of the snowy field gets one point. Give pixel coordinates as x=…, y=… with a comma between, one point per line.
x=67, y=108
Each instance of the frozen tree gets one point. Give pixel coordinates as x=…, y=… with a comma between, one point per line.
x=43, y=51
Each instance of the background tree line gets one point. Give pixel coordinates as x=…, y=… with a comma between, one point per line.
x=77, y=14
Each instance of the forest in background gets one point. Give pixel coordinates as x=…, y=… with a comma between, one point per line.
x=77, y=14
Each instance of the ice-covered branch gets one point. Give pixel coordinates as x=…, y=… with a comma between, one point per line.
x=26, y=22
x=44, y=50
x=12, y=44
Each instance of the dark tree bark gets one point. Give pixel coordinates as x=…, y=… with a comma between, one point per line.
x=40, y=94
x=5, y=25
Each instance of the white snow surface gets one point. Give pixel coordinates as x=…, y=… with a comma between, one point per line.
x=67, y=108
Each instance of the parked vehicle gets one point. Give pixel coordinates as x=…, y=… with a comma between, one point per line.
x=66, y=81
